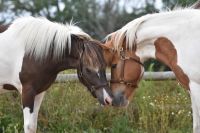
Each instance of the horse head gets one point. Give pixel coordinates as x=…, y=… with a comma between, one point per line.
x=91, y=71
x=126, y=71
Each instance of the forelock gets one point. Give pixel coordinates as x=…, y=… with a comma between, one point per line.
x=93, y=55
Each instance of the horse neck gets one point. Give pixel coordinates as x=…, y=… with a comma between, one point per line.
x=67, y=63
x=50, y=66
x=67, y=60
x=71, y=60
x=146, y=52
x=159, y=25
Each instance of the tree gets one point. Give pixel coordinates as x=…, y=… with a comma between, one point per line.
x=182, y=3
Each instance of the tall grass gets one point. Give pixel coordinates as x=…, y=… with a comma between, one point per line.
x=157, y=107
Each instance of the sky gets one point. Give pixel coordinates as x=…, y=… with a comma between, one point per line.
x=139, y=3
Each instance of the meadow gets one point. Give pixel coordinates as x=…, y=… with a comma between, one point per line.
x=157, y=107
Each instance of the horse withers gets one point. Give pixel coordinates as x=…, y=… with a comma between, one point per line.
x=38, y=50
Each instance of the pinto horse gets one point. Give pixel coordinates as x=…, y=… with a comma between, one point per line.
x=34, y=50
x=171, y=37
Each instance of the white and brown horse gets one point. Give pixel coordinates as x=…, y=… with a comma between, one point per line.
x=34, y=50
x=171, y=37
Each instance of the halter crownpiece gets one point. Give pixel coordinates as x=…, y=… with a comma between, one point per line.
x=124, y=57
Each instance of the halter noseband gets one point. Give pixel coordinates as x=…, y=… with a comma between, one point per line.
x=123, y=57
x=92, y=88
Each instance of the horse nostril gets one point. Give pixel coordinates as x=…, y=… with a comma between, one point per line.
x=119, y=99
x=108, y=101
x=107, y=98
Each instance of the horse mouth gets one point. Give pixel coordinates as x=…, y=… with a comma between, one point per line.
x=120, y=101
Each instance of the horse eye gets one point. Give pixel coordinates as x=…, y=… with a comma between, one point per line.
x=113, y=65
x=88, y=70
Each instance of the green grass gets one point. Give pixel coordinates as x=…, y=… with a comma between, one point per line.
x=157, y=107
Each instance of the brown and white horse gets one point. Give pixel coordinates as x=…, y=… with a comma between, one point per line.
x=34, y=50
x=171, y=37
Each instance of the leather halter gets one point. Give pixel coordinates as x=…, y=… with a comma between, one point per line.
x=85, y=80
x=123, y=58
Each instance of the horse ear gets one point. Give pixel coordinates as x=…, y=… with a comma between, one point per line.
x=107, y=53
x=104, y=47
x=107, y=45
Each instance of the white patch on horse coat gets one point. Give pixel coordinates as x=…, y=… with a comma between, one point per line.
x=97, y=71
x=30, y=119
x=195, y=98
x=106, y=97
x=29, y=126
x=11, y=57
x=145, y=52
x=98, y=74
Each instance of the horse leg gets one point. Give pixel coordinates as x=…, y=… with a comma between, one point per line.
x=195, y=99
x=31, y=106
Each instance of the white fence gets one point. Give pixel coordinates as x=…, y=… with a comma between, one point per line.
x=147, y=76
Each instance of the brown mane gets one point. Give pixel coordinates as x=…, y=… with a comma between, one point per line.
x=92, y=54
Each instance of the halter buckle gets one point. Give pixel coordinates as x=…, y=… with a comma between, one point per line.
x=81, y=74
x=129, y=84
x=121, y=82
x=122, y=58
x=92, y=89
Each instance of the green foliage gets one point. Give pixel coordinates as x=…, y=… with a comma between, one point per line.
x=182, y=3
x=158, y=107
x=154, y=65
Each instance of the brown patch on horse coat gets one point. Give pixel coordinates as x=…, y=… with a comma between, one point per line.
x=110, y=56
x=9, y=87
x=166, y=52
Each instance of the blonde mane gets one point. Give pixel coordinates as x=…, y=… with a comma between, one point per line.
x=39, y=36
x=127, y=34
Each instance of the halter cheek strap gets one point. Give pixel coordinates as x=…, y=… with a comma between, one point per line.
x=92, y=87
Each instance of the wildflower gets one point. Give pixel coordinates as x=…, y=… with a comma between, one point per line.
x=152, y=104
x=179, y=112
